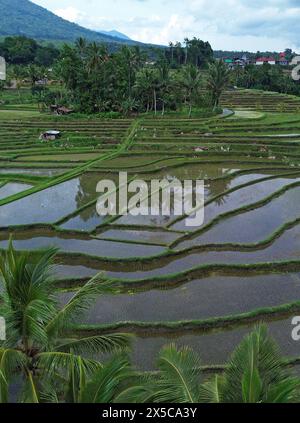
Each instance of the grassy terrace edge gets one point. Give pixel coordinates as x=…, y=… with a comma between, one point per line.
x=200, y=326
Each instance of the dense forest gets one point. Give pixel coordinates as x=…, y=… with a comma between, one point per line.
x=266, y=77
x=91, y=78
x=23, y=51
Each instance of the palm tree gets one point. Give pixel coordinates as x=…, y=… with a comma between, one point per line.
x=164, y=81
x=17, y=74
x=40, y=345
x=147, y=83
x=177, y=380
x=171, y=45
x=96, y=54
x=106, y=384
x=187, y=43
x=192, y=82
x=81, y=45
x=35, y=73
x=143, y=85
x=217, y=80
x=255, y=374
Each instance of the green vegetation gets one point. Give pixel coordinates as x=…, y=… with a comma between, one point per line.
x=23, y=51
x=267, y=77
x=98, y=81
x=38, y=343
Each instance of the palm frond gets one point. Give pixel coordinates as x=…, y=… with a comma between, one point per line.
x=10, y=361
x=30, y=390
x=35, y=318
x=140, y=390
x=255, y=368
x=80, y=303
x=96, y=344
x=285, y=391
x=106, y=382
x=211, y=391
x=179, y=376
x=52, y=362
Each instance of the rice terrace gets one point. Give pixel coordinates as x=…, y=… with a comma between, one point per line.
x=149, y=206
x=205, y=287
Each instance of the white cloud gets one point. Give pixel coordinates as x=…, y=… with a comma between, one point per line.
x=70, y=14
x=227, y=24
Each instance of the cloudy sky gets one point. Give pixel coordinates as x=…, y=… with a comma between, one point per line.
x=227, y=24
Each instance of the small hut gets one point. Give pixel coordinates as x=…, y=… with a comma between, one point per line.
x=60, y=110
x=50, y=135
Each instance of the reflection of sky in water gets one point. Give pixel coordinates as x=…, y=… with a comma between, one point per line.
x=255, y=225
x=287, y=247
x=92, y=247
x=240, y=198
x=45, y=206
x=39, y=172
x=12, y=188
x=224, y=295
x=213, y=348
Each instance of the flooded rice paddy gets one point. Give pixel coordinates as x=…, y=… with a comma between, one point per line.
x=164, y=271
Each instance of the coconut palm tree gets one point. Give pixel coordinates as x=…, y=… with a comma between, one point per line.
x=34, y=73
x=147, y=84
x=144, y=84
x=255, y=374
x=163, y=81
x=218, y=78
x=171, y=45
x=130, y=61
x=81, y=46
x=17, y=74
x=177, y=380
x=106, y=384
x=40, y=344
x=96, y=55
x=192, y=82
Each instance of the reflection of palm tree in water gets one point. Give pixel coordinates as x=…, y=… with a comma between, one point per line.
x=88, y=182
x=86, y=193
x=214, y=175
x=219, y=185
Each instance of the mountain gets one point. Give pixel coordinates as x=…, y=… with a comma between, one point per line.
x=22, y=17
x=116, y=34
